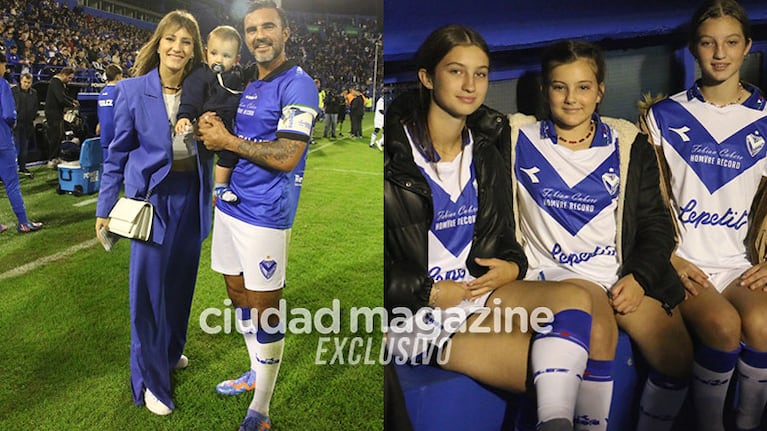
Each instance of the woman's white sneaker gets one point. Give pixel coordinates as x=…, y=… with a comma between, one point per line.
x=182, y=363
x=154, y=405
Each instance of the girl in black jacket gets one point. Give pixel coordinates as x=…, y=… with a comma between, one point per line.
x=591, y=213
x=450, y=250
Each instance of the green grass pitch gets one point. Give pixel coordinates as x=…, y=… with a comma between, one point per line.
x=64, y=330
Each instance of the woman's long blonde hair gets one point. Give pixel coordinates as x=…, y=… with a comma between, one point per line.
x=148, y=58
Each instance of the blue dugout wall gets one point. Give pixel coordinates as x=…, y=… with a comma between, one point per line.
x=644, y=44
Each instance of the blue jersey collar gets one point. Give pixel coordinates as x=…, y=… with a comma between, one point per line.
x=755, y=101
x=250, y=72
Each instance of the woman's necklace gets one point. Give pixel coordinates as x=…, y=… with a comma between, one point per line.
x=741, y=93
x=168, y=87
x=579, y=141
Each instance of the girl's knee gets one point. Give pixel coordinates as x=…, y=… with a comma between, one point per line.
x=604, y=337
x=754, y=327
x=570, y=297
x=720, y=330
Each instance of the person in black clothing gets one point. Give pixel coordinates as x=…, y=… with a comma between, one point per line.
x=356, y=112
x=332, y=105
x=396, y=417
x=26, y=111
x=8, y=175
x=56, y=100
x=216, y=87
x=341, y=112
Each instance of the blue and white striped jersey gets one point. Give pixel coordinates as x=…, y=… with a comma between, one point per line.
x=716, y=158
x=283, y=104
x=454, y=195
x=567, y=201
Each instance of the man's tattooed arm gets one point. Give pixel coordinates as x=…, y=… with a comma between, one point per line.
x=282, y=154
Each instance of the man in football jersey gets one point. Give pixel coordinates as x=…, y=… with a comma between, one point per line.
x=250, y=240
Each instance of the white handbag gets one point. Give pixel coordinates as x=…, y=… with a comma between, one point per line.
x=131, y=218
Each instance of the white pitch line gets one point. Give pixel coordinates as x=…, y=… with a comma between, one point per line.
x=350, y=171
x=23, y=269
x=85, y=202
x=366, y=129
x=319, y=148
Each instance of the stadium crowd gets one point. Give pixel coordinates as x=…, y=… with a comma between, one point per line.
x=337, y=50
x=42, y=36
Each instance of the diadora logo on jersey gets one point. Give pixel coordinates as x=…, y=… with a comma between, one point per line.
x=267, y=267
x=716, y=161
x=250, y=96
x=754, y=143
x=611, y=181
x=298, y=180
x=530, y=172
x=682, y=132
x=575, y=201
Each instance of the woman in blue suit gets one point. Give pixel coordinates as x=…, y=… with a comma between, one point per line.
x=174, y=177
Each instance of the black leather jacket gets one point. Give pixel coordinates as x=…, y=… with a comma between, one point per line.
x=648, y=233
x=409, y=210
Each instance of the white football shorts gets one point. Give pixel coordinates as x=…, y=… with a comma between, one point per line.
x=558, y=274
x=722, y=279
x=260, y=254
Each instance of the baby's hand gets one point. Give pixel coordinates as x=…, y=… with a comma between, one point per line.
x=181, y=125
